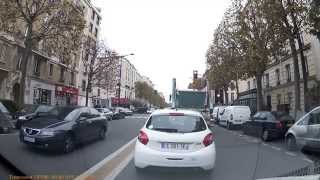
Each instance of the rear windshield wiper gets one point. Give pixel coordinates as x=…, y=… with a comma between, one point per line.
x=166, y=130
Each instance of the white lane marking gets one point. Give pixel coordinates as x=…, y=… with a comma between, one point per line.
x=290, y=153
x=264, y=144
x=308, y=160
x=15, y=133
x=120, y=167
x=275, y=148
x=94, y=168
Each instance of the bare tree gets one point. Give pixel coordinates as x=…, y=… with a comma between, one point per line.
x=57, y=23
x=100, y=64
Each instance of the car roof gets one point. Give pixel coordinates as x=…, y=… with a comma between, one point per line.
x=168, y=111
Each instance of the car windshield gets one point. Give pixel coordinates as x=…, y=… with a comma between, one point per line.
x=3, y=108
x=62, y=113
x=43, y=109
x=29, y=108
x=100, y=110
x=176, y=124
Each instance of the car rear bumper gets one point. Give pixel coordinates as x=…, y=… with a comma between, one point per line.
x=277, y=133
x=145, y=156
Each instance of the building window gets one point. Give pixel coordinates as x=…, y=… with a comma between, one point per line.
x=248, y=83
x=91, y=27
x=96, y=33
x=290, y=99
x=278, y=76
x=36, y=70
x=19, y=63
x=279, y=99
x=72, y=78
x=254, y=83
x=62, y=70
x=83, y=85
x=267, y=80
x=50, y=69
x=98, y=92
x=41, y=96
x=232, y=97
x=288, y=72
x=3, y=50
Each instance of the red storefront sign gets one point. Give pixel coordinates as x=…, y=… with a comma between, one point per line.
x=66, y=95
x=65, y=89
x=123, y=101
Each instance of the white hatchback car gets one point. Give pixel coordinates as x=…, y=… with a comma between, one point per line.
x=175, y=138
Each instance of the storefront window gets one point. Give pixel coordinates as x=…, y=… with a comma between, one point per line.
x=41, y=96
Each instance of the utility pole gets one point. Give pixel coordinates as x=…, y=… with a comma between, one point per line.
x=174, y=93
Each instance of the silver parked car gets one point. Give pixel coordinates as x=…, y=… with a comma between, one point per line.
x=305, y=133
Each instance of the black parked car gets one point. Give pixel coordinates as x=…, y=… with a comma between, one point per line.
x=118, y=114
x=5, y=124
x=106, y=112
x=268, y=125
x=30, y=111
x=64, y=127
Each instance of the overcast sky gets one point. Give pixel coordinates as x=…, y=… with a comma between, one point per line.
x=168, y=37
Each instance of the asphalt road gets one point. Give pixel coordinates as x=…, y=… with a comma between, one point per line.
x=38, y=162
x=239, y=157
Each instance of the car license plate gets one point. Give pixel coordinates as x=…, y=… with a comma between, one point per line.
x=29, y=139
x=176, y=146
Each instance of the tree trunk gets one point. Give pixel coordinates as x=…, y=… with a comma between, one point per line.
x=259, y=92
x=296, y=75
x=304, y=73
x=303, y=61
x=88, y=88
x=237, y=88
x=24, y=64
x=225, y=89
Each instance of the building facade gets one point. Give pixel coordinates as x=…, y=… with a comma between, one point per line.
x=278, y=80
x=92, y=30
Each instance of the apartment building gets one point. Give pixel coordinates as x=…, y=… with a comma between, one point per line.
x=278, y=86
x=98, y=96
x=278, y=80
x=49, y=81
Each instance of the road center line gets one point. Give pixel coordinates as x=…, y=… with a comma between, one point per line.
x=290, y=153
x=112, y=165
x=308, y=160
x=275, y=148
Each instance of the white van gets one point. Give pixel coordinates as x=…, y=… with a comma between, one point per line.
x=234, y=115
x=216, y=113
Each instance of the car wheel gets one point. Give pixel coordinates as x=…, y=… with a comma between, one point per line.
x=102, y=133
x=68, y=144
x=291, y=143
x=265, y=135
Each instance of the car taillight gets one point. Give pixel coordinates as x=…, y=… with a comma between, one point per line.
x=143, y=138
x=279, y=125
x=208, y=139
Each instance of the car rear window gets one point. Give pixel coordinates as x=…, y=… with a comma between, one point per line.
x=176, y=124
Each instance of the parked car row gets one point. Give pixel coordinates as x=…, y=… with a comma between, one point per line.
x=270, y=125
